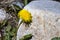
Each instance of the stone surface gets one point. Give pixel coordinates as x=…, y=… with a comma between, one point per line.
x=42, y=0
x=45, y=20
x=2, y=15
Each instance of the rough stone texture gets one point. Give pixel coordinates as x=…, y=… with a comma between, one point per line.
x=2, y=15
x=41, y=0
x=45, y=20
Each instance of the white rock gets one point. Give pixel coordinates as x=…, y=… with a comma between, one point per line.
x=45, y=20
x=2, y=15
x=42, y=0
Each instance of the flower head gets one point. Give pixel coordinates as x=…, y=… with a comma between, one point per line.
x=25, y=16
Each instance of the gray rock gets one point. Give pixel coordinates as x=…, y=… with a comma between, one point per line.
x=45, y=20
x=2, y=15
x=42, y=0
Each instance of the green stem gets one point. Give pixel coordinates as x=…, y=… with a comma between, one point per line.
x=20, y=22
x=25, y=2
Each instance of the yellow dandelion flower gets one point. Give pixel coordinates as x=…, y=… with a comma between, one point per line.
x=25, y=16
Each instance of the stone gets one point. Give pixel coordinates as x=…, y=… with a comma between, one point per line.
x=42, y=0
x=2, y=15
x=45, y=20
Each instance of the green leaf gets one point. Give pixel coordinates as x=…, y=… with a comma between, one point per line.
x=7, y=36
x=17, y=7
x=56, y=38
x=8, y=28
x=27, y=37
